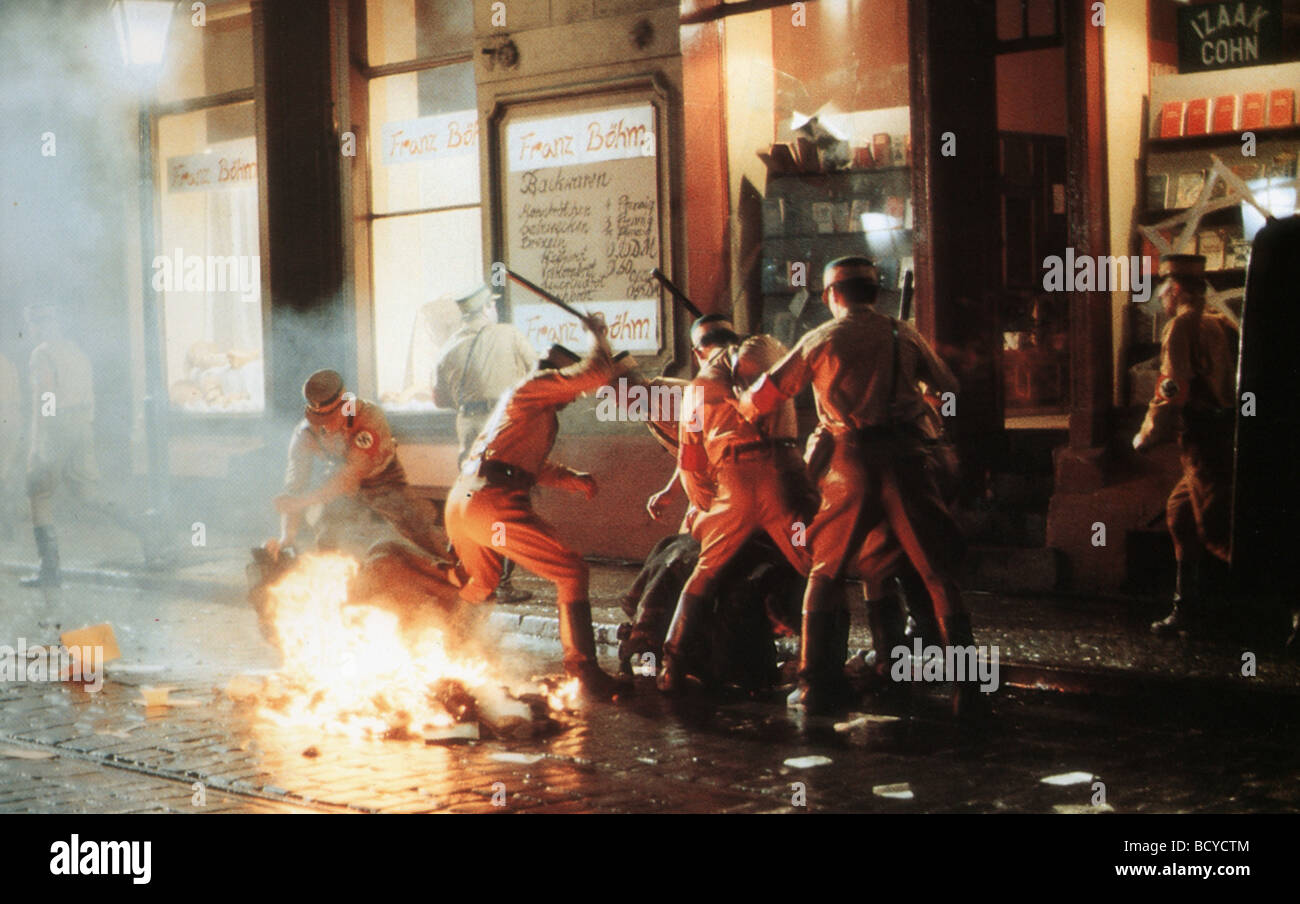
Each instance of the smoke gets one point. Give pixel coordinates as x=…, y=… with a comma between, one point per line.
x=68, y=184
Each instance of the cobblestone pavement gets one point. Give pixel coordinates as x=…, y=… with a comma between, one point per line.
x=63, y=749
x=1107, y=637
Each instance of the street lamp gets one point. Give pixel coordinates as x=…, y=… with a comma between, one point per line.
x=142, y=27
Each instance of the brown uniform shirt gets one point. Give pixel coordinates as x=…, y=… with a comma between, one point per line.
x=523, y=426
x=60, y=367
x=850, y=364
x=711, y=423
x=501, y=356
x=365, y=445
x=1197, y=367
x=756, y=355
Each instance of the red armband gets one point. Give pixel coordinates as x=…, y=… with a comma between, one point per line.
x=762, y=398
x=693, y=458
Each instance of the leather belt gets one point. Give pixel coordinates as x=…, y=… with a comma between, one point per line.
x=756, y=448
x=500, y=474
x=475, y=408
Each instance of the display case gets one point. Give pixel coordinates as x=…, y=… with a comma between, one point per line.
x=1247, y=119
x=810, y=219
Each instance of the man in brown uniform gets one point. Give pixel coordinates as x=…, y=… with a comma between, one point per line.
x=718, y=447
x=477, y=365
x=749, y=358
x=1195, y=398
x=352, y=436
x=489, y=512
x=62, y=440
x=864, y=368
x=707, y=333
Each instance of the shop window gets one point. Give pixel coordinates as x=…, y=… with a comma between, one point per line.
x=425, y=208
x=208, y=59
x=398, y=31
x=207, y=264
x=1022, y=24
x=834, y=153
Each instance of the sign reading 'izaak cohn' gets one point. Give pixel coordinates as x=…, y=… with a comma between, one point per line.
x=1229, y=35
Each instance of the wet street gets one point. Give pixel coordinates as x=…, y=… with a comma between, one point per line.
x=66, y=750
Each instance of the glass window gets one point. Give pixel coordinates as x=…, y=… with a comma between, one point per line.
x=424, y=147
x=426, y=221
x=212, y=58
x=422, y=263
x=403, y=30
x=207, y=265
x=835, y=147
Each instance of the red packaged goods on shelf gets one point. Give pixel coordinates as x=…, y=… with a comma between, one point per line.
x=1254, y=105
x=1171, y=119
x=1225, y=113
x=1281, y=107
x=880, y=149
x=1198, y=117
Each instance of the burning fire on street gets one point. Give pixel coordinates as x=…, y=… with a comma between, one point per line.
x=361, y=670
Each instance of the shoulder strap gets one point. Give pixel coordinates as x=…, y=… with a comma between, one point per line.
x=469, y=359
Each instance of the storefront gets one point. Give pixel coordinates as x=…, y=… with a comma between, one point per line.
x=364, y=162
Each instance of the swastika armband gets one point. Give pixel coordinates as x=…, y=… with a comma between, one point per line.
x=364, y=440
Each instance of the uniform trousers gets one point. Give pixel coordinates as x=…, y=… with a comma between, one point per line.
x=878, y=483
x=64, y=455
x=487, y=523
x=1199, y=509
x=750, y=497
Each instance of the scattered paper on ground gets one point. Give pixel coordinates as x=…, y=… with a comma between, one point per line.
x=808, y=762
x=526, y=759
x=896, y=791
x=863, y=721
x=93, y=636
x=1068, y=778
x=154, y=696
x=462, y=731
x=1082, y=808
x=23, y=753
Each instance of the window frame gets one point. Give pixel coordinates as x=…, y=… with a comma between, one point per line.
x=437, y=424
x=253, y=94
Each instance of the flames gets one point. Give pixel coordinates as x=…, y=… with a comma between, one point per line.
x=356, y=670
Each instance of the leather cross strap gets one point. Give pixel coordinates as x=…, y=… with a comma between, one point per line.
x=469, y=359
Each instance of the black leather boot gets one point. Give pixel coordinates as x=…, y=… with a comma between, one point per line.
x=50, y=574
x=885, y=619
x=506, y=591
x=672, y=673
x=579, y=643
x=968, y=701
x=1187, y=602
x=823, y=647
x=921, y=620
